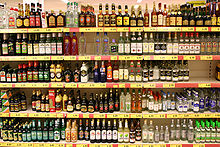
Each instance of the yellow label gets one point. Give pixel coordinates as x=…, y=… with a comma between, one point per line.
x=146, y=57
x=153, y=115
x=72, y=115
x=115, y=86
x=84, y=57
x=202, y=29
x=85, y=115
x=206, y=57
x=4, y=85
x=81, y=145
x=174, y=116
x=136, y=85
x=86, y=30
x=98, y=58
x=99, y=115
x=69, y=57
x=4, y=114
x=121, y=85
x=188, y=29
x=57, y=85
x=66, y=30
x=18, y=114
x=114, y=57
x=70, y=85
x=217, y=115
x=136, y=57
x=56, y=57
x=69, y=145
x=189, y=57
x=122, y=29
x=100, y=85
x=215, y=29
x=169, y=85
x=149, y=85
x=124, y=57
x=136, y=29
x=175, y=145
x=204, y=85
x=208, y=115
x=150, y=29
x=110, y=29
x=39, y=58
x=136, y=115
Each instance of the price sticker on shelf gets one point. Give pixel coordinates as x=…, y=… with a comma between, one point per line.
x=153, y=115
x=114, y=57
x=136, y=85
x=198, y=145
x=215, y=29
x=175, y=145
x=202, y=29
x=122, y=29
x=124, y=57
x=5, y=85
x=136, y=57
x=39, y=145
x=70, y=58
x=187, y=29
x=59, y=145
x=19, y=85
x=98, y=58
x=136, y=115
x=208, y=115
x=57, y=85
x=34, y=115
x=100, y=85
x=72, y=115
x=186, y=57
x=56, y=57
x=2, y=114
x=86, y=30
x=69, y=145
x=136, y=29
x=99, y=29
x=60, y=115
x=18, y=114
x=150, y=29
x=204, y=85
x=173, y=115
x=169, y=85
x=121, y=85
x=84, y=58
x=27, y=144
x=113, y=116
x=217, y=115
x=110, y=29
x=206, y=57
x=146, y=57
x=99, y=115
x=149, y=85
x=86, y=115
x=70, y=85
x=81, y=145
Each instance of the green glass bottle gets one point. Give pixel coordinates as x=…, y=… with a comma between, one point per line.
x=28, y=132
x=24, y=134
x=39, y=131
x=20, y=133
x=45, y=131
x=33, y=131
x=51, y=131
x=62, y=129
x=56, y=131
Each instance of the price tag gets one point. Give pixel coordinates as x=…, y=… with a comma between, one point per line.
x=70, y=85
x=59, y=145
x=37, y=85
x=135, y=145
x=42, y=58
x=169, y=85
x=34, y=115
x=39, y=145
x=150, y=29
x=110, y=29
x=17, y=30
x=66, y=29
x=4, y=85
x=56, y=57
x=113, y=116
x=32, y=58
x=84, y=58
x=122, y=29
x=21, y=58
x=49, y=115
x=202, y=29
x=217, y=115
x=28, y=144
x=136, y=115
x=60, y=115
x=99, y=115
x=86, y=115
x=121, y=85
x=215, y=29
x=177, y=29
x=187, y=29
x=49, y=144
x=136, y=57
x=57, y=85
x=175, y=145
x=72, y=115
x=208, y=115
x=81, y=145
x=86, y=30
x=153, y=115
x=198, y=145
x=186, y=57
x=82, y=85
x=100, y=85
x=136, y=85
x=204, y=85
x=149, y=85
x=54, y=30
x=98, y=58
x=206, y=57
x=3, y=30
x=2, y=114
x=124, y=57
x=69, y=57
x=69, y=145
x=136, y=29
x=146, y=57
x=107, y=145
x=99, y=29
x=115, y=85
x=18, y=114
x=173, y=115
x=19, y=85
x=114, y=57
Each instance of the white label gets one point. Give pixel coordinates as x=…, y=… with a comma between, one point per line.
x=120, y=136
x=175, y=48
x=197, y=48
x=115, y=74
x=191, y=49
x=115, y=134
x=59, y=48
x=30, y=48
x=120, y=48
x=127, y=48
x=126, y=137
x=121, y=74
x=151, y=47
x=145, y=48
x=186, y=48
x=103, y=134
x=151, y=105
x=36, y=48
x=181, y=48
x=109, y=134
x=151, y=135
x=48, y=48
x=133, y=48
x=169, y=48
x=138, y=78
x=54, y=48
x=98, y=134
x=139, y=48
x=42, y=48
x=156, y=107
x=131, y=77
x=160, y=19
x=5, y=48
x=125, y=74
x=92, y=134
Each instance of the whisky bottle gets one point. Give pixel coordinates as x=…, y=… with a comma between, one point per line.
x=192, y=21
x=146, y=17
x=140, y=19
x=165, y=16
x=133, y=22
x=168, y=17
x=38, y=17
x=81, y=130
x=154, y=16
x=214, y=17
x=91, y=108
x=19, y=19
x=126, y=18
x=82, y=21
x=26, y=20
x=179, y=17
x=61, y=20
x=88, y=16
x=119, y=17
x=51, y=20
x=32, y=16
x=100, y=16
x=160, y=16
x=92, y=132
x=113, y=19
x=172, y=17
x=106, y=17
x=185, y=16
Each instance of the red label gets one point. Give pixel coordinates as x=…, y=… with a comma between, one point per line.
x=32, y=21
x=38, y=21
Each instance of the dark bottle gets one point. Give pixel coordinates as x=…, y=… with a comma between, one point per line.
x=38, y=100
x=18, y=44
x=68, y=74
x=207, y=19
x=132, y=132
x=9, y=76
x=82, y=21
x=119, y=17
x=39, y=131
x=38, y=23
x=70, y=107
x=106, y=17
x=96, y=103
x=86, y=132
x=27, y=17
x=41, y=72
x=133, y=22
x=81, y=130
x=111, y=102
x=47, y=107
x=46, y=72
x=35, y=72
x=102, y=73
x=106, y=104
x=78, y=101
x=126, y=21
x=36, y=49
x=109, y=132
x=96, y=73
x=117, y=100
x=76, y=74
x=51, y=20
x=185, y=16
x=24, y=45
x=98, y=132
x=30, y=72
x=138, y=131
x=115, y=132
x=32, y=16
x=103, y=132
x=45, y=131
x=19, y=73
x=113, y=17
x=191, y=17
x=92, y=132
x=140, y=18
x=91, y=108
x=84, y=103
x=101, y=104
x=4, y=45
x=51, y=131
x=88, y=16
x=53, y=43
x=33, y=131
x=11, y=45
x=30, y=45
x=199, y=19
x=42, y=103
x=23, y=102
x=24, y=73
x=61, y=20
x=14, y=76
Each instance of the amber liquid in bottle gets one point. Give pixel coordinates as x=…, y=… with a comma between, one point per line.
x=146, y=17
x=113, y=17
x=100, y=16
x=106, y=17
x=133, y=22
x=154, y=16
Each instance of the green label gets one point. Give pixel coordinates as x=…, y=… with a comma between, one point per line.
x=28, y=136
x=24, y=47
x=39, y=135
x=45, y=135
x=34, y=135
x=51, y=135
x=46, y=75
x=24, y=136
x=18, y=47
x=41, y=75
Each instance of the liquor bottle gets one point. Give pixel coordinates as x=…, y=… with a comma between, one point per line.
x=113, y=17
x=145, y=132
x=109, y=72
x=214, y=17
x=139, y=44
x=185, y=17
x=121, y=47
x=115, y=72
x=58, y=102
x=33, y=100
x=84, y=103
x=120, y=132
x=102, y=73
x=82, y=16
x=113, y=47
x=192, y=21
x=106, y=17
x=45, y=132
x=51, y=131
x=98, y=44
x=82, y=44
x=74, y=45
x=32, y=16
x=101, y=103
x=68, y=77
x=132, y=132
x=138, y=131
x=86, y=131
x=111, y=103
x=19, y=20
x=127, y=45
x=78, y=101
x=109, y=132
x=39, y=131
x=4, y=45
x=92, y=132
x=179, y=17
x=131, y=72
x=173, y=17
x=38, y=23
x=154, y=19
x=36, y=44
x=126, y=18
x=11, y=45
x=133, y=21
x=168, y=16
x=160, y=16
x=33, y=131
x=91, y=108
x=24, y=46
x=67, y=44
x=133, y=43
x=88, y=16
x=51, y=20
x=84, y=73
x=81, y=130
x=98, y=132
x=126, y=132
x=74, y=132
x=165, y=16
x=67, y=131
x=133, y=102
x=61, y=20
x=105, y=44
x=146, y=17
x=140, y=19
x=18, y=45
x=100, y=16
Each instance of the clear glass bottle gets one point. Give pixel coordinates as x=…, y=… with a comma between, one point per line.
x=105, y=44
x=151, y=132
x=121, y=46
x=145, y=132
x=98, y=44
x=82, y=45
x=166, y=135
x=156, y=135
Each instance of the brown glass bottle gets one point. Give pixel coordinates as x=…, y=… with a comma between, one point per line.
x=113, y=17
x=146, y=17
x=126, y=18
x=106, y=17
x=51, y=20
x=100, y=16
x=154, y=16
x=133, y=22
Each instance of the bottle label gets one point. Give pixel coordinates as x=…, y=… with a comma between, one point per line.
x=179, y=21
x=139, y=48
x=175, y=48
x=115, y=75
x=19, y=22
x=59, y=48
x=151, y=105
x=121, y=74
x=160, y=19
x=32, y=21
x=109, y=72
x=145, y=48
x=126, y=21
x=109, y=134
x=115, y=134
x=140, y=22
x=120, y=48
x=151, y=47
x=181, y=48
x=214, y=20
x=42, y=48
x=133, y=48
x=125, y=74
x=36, y=48
x=113, y=20
x=24, y=48
x=146, y=21
x=100, y=20
x=11, y=22
x=133, y=23
x=106, y=48
x=127, y=48
x=154, y=20
x=172, y=21
x=5, y=49
x=30, y=48
x=54, y=48
x=120, y=136
x=48, y=48
x=38, y=22
x=26, y=22
x=126, y=136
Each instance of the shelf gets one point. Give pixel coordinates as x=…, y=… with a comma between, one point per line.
x=144, y=114
x=113, y=57
x=88, y=144
x=112, y=29
x=191, y=84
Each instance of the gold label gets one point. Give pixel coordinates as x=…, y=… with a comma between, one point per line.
x=202, y=46
x=133, y=23
x=119, y=21
x=52, y=21
x=160, y=20
x=100, y=18
x=26, y=22
x=218, y=21
x=172, y=21
x=192, y=22
x=199, y=22
x=113, y=20
x=60, y=21
x=140, y=23
x=168, y=21
x=126, y=21
x=214, y=47
x=19, y=22
x=185, y=22
x=179, y=21
x=214, y=19
x=209, y=46
x=207, y=22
